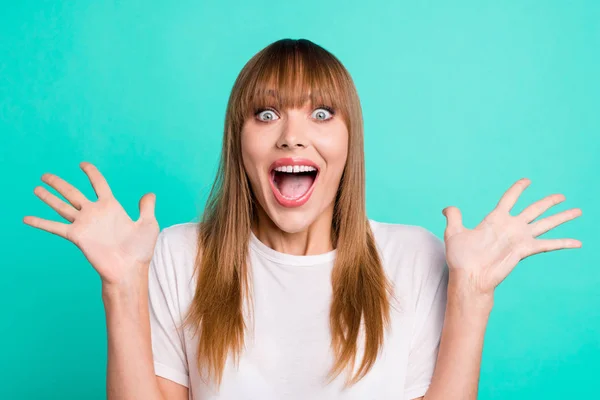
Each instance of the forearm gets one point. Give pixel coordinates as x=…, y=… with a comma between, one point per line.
x=130, y=371
x=456, y=375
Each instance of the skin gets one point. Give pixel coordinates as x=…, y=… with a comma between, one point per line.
x=310, y=133
x=120, y=249
x=479, y=259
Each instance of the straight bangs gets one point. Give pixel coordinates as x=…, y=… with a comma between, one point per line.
x=287, y=74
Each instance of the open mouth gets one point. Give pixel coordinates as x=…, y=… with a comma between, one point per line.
x=293, y=181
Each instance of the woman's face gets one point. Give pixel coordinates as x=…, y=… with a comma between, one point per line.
x=294, y=159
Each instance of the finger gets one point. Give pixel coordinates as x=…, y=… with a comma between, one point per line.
x=63, y=209
x=67, y=190
x=551, y=222
x=147, y=205
x=545, y=245
x=541, y=206
x=453, y=221
x=97, y=180
x=57, y=228
x=510, y=197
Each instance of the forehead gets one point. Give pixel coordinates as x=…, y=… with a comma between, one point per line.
x=289, y=98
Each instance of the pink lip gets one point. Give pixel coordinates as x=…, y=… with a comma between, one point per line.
x=291, y=161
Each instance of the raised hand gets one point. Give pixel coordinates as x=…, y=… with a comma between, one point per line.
x=117, y=247
x=486, y=254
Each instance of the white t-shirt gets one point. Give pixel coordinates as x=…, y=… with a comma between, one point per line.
x=288, y=355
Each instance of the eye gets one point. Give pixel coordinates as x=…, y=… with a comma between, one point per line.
x=267, y=115
x=322, y=112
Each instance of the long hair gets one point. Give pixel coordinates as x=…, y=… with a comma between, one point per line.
x=286, y=74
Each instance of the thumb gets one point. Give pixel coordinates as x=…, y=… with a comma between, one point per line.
x=453, y=220
x=147, y=204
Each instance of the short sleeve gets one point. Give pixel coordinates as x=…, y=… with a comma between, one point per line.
x=430, y=309
x=167, y=341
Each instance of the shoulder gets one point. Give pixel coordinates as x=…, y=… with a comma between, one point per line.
x=180, y=236
x=406, y=238
x=176, y=248
x=170, y=276
x=412, y=255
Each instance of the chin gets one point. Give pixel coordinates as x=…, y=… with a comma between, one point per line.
x=292, y=221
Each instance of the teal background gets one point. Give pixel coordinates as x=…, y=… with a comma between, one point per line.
x=460, y=98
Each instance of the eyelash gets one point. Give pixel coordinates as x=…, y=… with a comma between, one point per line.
x=331, y=111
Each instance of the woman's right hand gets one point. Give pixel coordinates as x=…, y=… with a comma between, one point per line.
x=117, y=247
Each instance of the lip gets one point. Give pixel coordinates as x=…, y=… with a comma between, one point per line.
x=292, y=161
x=290, y=203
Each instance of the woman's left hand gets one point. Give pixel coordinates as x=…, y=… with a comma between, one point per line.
x=482, y=257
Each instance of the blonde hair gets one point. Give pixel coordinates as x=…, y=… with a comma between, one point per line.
x=286, y=74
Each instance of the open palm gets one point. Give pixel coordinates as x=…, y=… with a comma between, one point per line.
x=486, y=254
x=113, y=243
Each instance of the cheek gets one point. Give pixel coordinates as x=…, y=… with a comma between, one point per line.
x=249, y=157
x=254, y=155
x=256, y=144
x=250, y=150
x=333, y=147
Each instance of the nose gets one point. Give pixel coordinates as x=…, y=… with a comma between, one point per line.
x=293, y=134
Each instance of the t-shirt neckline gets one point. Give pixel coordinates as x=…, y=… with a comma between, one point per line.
x=289, y=259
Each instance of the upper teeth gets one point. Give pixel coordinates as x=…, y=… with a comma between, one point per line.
x=295, y=168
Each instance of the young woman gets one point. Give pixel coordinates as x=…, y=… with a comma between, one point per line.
x=286, y=290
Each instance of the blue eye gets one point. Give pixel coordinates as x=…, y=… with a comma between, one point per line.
x=322, y=112
x=270, y=114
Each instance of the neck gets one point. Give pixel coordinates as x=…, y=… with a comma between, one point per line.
x=312, y=240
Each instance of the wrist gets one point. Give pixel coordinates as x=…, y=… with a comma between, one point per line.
x=463, y=293
x=127, y=288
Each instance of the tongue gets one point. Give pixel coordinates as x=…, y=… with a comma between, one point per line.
x=293, y=185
